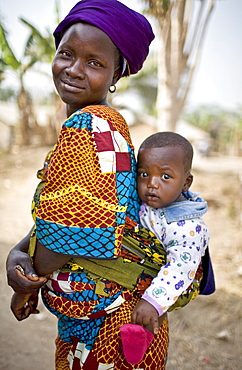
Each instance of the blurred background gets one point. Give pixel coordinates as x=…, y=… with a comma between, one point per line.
x=190, y=83
x=191, y=75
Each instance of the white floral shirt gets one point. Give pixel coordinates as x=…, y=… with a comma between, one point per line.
x=185, y=242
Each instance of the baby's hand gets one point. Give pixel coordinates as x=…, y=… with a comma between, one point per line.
x=23, y=305
x=145, y=314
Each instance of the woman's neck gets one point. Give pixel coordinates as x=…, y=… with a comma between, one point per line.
x=70, y=109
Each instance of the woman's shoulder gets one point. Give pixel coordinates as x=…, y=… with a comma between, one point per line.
x=114, y=119
x=99, y=118
x=96, y=110
x=100, y=110
x=107, y=113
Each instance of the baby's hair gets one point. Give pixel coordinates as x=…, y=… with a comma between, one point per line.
x=167, y=138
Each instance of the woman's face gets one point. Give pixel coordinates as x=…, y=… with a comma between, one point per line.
x=85, y=66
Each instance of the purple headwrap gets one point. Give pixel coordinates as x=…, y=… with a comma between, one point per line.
x=129, y=30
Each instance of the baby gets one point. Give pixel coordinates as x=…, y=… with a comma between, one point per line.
x=173, y=214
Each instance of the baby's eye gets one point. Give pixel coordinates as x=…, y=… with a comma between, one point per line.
x=165, y=176
x=143, y=174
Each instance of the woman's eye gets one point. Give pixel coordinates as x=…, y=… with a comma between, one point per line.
x=65, y=53
x=95, y=63
x=165, y=176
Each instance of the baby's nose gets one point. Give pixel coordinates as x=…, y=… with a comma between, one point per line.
x=153, y=182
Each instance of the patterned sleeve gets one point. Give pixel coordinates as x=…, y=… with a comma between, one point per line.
x=90, y=186
x=184, y=252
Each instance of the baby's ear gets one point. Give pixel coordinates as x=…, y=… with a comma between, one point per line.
x=188, y=182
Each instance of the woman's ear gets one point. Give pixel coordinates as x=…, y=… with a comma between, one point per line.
x=188, y=182
x=116, y=75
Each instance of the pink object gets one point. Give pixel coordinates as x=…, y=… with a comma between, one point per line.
x=135, y=341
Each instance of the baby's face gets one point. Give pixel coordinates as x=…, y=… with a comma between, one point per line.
x=161, y=177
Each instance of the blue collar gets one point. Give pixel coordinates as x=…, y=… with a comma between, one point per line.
x=193, y=207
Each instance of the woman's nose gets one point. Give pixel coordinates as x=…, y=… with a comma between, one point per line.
x=76, y=69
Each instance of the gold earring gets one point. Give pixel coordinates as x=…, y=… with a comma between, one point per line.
x=112, y=89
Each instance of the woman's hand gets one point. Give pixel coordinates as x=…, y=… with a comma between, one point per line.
x=20, y=272
x=23, y=305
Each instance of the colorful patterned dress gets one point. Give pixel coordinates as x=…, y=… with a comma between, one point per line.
x=87, y=193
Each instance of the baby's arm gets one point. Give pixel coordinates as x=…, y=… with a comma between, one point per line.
x=146, y=315
x=184, y=254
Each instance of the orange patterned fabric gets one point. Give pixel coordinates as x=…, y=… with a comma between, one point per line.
x=113, y=116
x=62, y=350
x=61, y=195
x=107, y=348
x=90, y=186
x=89, y=190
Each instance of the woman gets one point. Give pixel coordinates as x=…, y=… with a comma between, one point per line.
x=87, y=198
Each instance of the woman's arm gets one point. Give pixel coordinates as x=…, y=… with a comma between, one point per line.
x=47, y=261
x=23, y=305
x=18, y=259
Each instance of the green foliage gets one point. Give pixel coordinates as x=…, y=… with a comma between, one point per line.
x=39, y=47
x=6, y=53
x=224, y=126
x=163, y=5
x=144, y=84
x=7, y=94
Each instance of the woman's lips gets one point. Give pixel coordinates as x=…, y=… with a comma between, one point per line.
x=72, y=87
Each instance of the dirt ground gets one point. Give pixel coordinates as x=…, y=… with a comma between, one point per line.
x=207, y=334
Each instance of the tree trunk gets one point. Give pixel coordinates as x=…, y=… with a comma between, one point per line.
x=182, y=26
x=27, y=121
x=163, y=101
